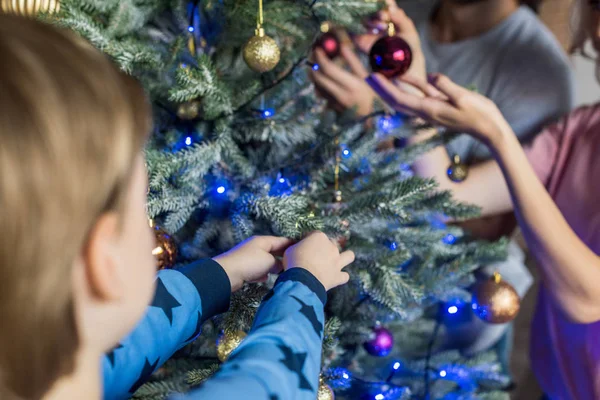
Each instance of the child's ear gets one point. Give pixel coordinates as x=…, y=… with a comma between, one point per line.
x=104, y=271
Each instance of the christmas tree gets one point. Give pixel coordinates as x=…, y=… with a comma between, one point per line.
x=239, y=151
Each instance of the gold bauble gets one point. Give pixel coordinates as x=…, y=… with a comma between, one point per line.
x=457, y=171
x=325, y=392
x=261, y=52
x=29, y=8
x=495, y=301
x=228, y=342
x=165, y=251
x=189, y=110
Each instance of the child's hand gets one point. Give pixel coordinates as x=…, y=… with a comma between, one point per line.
x=321, y=257
x=253, y=259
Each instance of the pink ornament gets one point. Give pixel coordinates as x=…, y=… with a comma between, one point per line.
x=330, y=44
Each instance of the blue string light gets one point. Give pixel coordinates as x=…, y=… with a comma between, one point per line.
x=393, y=246
x=389, y=123
x=221, y=189
x=449, y=239
x=315, y=67
x=452, y=310
x=346, y=153
x=191, y=28
x=188, y=140
x=267, y=113
x=396, y=366
x=443, y=373
x=281, y=187
x=379, y=396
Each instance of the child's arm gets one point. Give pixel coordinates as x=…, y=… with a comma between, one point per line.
x=183, y=300
x=281, y=357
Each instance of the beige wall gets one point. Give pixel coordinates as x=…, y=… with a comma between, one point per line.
x=556, y=15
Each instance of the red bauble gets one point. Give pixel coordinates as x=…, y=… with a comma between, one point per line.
x=390, y=56
x=330, y=44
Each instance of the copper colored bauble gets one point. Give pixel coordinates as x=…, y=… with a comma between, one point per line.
x=457, y=171
x=165, y=251
x=189, y=110
x=337, y=196
x=391, y=56
x=228, y=342
x=329, y=43
x=325, y=392
x=495, y=301
x=29, y=8
x=261, y=52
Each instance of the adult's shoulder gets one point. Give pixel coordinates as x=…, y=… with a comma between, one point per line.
x=529, y=38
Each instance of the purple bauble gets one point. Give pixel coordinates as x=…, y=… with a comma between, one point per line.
x=381, y=343
x=390, y=56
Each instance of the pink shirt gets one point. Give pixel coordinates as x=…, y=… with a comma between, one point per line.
x=566, y=158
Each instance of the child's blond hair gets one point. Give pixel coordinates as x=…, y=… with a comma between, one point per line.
x=71, y=125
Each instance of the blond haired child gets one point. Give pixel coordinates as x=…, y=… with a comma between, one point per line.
x=76, y=268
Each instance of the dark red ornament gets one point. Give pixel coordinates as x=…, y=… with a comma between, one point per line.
x=381, y=342
x=390, y=56
x=330, y=44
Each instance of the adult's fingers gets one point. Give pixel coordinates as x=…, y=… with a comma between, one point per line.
x=354, y=62
x=328, y=88
x=365, y=42
x=445, y=85
x=430, y=108
x=347, y=258
x=427, y=88
x=403, y=24
x=393, y=96
x=333, y=71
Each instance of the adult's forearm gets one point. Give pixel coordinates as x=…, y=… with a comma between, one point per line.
x=570, y=269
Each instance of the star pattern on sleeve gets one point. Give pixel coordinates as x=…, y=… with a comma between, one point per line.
x=311, y=315
x=198, y=328
x=147, y=370
x=295, y=362
x=111, y=355
x=164, y=300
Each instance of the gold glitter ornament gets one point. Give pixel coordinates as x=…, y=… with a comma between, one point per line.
x=261, y=52
x=188, y=110
x=457, y=171
x=228, y=342
x=29, y=8
x=325, y=392
x=495, y=301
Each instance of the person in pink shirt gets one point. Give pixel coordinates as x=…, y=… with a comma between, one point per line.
x=553, y=185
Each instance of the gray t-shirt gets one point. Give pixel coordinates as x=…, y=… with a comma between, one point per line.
x=518, y=64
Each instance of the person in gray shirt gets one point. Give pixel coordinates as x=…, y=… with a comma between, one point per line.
x=501, y=49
